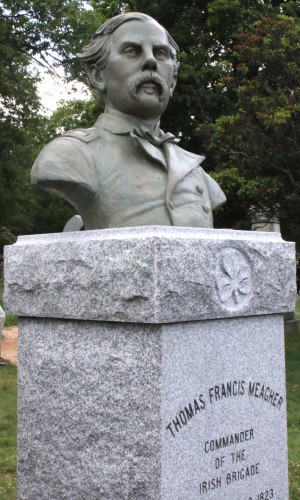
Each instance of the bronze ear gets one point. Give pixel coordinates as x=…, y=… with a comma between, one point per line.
x=96, y=78
x=173, y=85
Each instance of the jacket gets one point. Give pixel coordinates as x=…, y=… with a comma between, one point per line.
x=115, y=179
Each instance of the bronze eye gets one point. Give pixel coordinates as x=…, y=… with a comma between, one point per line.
x=160, y=54
x=131, y=51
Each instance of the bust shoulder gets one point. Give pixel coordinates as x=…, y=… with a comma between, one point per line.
x=83, y=134
x=62, y=160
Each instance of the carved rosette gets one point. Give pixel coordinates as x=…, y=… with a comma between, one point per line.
x=233, y=279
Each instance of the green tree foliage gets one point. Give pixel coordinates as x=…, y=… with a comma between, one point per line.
x=32, y=34
x=70, y=115
x=18, y=101
x=237, y=98
x=258, y=163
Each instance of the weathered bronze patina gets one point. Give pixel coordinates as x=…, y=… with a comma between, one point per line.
x=125, y=171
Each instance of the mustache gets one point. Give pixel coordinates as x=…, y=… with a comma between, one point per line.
x=147, y=77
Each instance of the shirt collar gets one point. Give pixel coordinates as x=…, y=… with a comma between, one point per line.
x=122, y=124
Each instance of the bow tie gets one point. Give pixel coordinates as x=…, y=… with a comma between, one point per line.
x=152, y=146
x=144, y=133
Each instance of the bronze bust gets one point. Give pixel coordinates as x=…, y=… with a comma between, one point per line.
x=125, y=171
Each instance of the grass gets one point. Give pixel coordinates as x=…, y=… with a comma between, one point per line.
x=293, y=406
x=8, y=410
x=8, y=432
x=10, y=319
x=297, y=310
x=8, y=422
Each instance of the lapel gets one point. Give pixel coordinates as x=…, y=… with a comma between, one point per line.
x=174, y=159
x=123, y=125
x=149, y=150
x=180, y=163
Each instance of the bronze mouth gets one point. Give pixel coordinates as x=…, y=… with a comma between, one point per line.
x=150, y=81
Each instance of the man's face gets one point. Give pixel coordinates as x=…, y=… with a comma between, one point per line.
x=139, y=75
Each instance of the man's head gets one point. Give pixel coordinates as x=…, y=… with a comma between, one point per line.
x=132, y=65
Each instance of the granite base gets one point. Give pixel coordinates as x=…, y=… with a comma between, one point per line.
x=151, y=363
x=125, y=411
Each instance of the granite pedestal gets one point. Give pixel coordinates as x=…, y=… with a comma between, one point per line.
x=151, y=363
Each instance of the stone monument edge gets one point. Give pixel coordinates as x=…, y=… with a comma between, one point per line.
x=131, y=236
